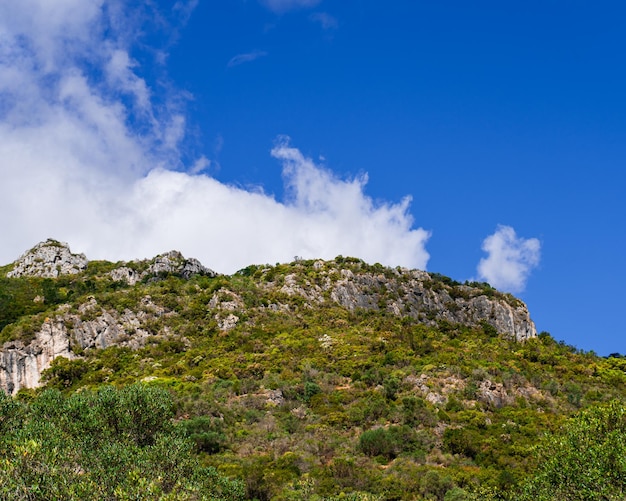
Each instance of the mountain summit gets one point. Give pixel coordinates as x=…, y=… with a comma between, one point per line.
x=337, y=378
x=77, y=322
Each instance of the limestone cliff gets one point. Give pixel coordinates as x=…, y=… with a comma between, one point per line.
x=414, y=293
x=350, y=283
x=48, y=259
x=21, y=365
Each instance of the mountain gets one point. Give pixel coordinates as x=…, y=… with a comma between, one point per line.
x=312, y=378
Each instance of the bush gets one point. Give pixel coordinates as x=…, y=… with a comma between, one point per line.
x=461, y=441
x=204, y=433
x=587, y=461
x=109, y=444
x=388, y=442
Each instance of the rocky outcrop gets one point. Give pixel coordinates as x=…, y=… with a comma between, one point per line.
x=493, y=394
x=52, y=258
x=175, y=263
x=21, y=365
x=226, y=302
x=125, y=274
x=415, y=294
x=170, y=263
x=48, y=259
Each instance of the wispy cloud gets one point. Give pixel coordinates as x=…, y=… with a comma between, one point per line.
x=246, y=58
x=282, y=6
x=325, y=20
x=510, y=259
x=89, y=158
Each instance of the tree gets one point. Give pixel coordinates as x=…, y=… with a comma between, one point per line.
x=587, y=461
x=107, y=444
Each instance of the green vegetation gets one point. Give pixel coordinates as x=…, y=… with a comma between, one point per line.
x=107, y=444
x=302, y=399
x=586, y=460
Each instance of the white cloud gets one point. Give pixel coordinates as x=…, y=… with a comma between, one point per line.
x=88, y=158
x=246, y=58
x=510, y=259
x=281, y=6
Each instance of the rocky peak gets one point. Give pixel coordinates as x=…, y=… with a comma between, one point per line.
x=48, y=259
x=428, y=297
x=172, y=262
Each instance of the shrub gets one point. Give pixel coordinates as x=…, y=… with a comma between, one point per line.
x=586, y=461
x=388, y=442
x=109, y=444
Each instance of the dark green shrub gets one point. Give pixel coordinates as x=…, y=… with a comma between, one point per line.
x=109, y=444
x=63, y=372
x=310, y=390
x=388, y=442
x=205, y=433
x=461, y=441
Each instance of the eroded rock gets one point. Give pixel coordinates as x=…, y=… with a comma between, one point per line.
x=48, y=259
x=21, y=365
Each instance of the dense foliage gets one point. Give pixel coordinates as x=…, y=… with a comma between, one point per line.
x=303, y=399
x=107, y=444
x=586, y=461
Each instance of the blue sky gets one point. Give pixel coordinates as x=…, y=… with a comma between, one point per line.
x=243, y=131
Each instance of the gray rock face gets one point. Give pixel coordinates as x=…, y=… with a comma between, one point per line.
x=415, y=294
x=493, y=394
x=21, y=366
x=125, y=274
x=172, y=262
x=93, y=327
x=48, y=259
x=412, y=294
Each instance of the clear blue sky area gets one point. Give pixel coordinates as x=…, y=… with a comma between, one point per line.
x=485, y=113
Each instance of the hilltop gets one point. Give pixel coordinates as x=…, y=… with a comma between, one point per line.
x=309, y=378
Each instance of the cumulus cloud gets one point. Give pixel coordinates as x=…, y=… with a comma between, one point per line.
x=91, y=155
x=246, y=58
x=510, y=259
x=282, y=6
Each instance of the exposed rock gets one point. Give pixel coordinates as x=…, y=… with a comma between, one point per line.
x=326, y=341
x=228, y=322
x=225, y=300
x=436, y=398
x=299, y=412
x=310, y=292
x=274, y=397
x=174, y=262
x=21, y=365
x=125, y=274
x=414, y=293
x=441, y=387
x=48, y=259
x=493, y=394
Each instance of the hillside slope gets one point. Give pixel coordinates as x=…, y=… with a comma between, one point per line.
x=311, y=378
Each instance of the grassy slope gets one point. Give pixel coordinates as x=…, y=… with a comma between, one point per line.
x=319, y=400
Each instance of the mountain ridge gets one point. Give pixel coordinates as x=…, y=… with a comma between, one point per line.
x=340, y=379
x=347, y=282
